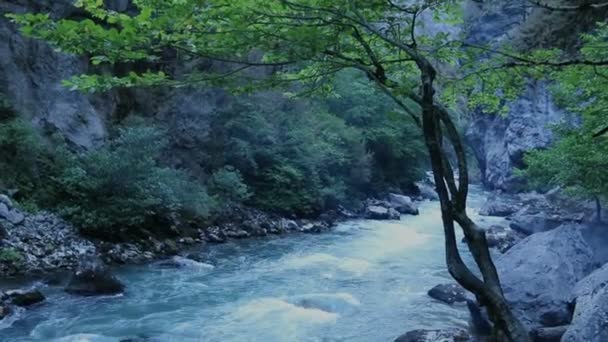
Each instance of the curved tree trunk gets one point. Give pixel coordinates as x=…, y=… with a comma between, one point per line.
x=453, y=196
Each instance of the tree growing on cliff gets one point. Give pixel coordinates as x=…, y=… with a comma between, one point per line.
x=307, y=41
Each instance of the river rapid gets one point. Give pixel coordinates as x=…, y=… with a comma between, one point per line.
x=364, y=281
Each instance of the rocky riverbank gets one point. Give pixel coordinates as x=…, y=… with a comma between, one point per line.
x=42, y=243
x=551, y=257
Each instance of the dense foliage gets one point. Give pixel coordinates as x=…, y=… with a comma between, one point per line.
x=302, y=157
x=121, y=187
x=578, y=160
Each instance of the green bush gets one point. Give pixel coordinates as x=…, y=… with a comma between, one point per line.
x=228, y=185
x=9, y=255
x=120, y=189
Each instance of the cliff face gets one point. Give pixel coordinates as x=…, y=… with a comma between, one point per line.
x=500, y=141
x=30, y=78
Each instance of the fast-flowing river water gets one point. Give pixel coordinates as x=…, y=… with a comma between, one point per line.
x=364, y=281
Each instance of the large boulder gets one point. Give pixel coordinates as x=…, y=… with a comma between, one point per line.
x=539, y=274
x=590, y=321
x=424, y=335
x=93, y=278
x=448, y=293
x=499, y=205
x=403, y=204
x=376, y=212
x=531, y=223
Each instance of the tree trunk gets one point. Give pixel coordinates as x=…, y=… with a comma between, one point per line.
x=452, y=199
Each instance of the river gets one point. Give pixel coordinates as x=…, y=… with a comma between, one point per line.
x=364, y=281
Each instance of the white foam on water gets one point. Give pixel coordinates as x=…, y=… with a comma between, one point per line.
x=85, y=338
x=278, y=309
x=16, y=314
x=189, y=263
x=355, y=266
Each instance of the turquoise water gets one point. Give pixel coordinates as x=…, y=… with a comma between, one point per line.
x=364, y=281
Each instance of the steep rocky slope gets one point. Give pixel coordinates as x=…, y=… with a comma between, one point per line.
x=500, y=141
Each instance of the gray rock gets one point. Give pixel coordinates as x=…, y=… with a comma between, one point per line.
x=538, y=274
x=499, y=205
x=530, y=223
x=427, y=191
x=552, y=334
x=26, y=298
x=4, y=210
x=214, y=235
x=502, y=238
x=375, y=212
x=93, y=278
x=403, y=204
x=43, y=243
x=446, y=335
x=7, y=201
x=590, y=321
x=289, y=225
x=448, y=293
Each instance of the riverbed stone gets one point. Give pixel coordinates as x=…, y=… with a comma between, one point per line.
x=424, y=335
x=376, y=212
x=403, y=204
x=539, y=274
x=448, y=293
x=26, y=298
x=94, y=278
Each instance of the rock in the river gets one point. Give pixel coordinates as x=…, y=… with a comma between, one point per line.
x=590, y=321
x=499, y=205
x=93, y=278
x=538, y=274
x=423, y=335
x=403, y=204
x=26, y=298
x=448, y=293
x=5, y=310
x=375, y=212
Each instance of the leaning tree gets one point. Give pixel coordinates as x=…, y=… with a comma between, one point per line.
x=392, y=43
